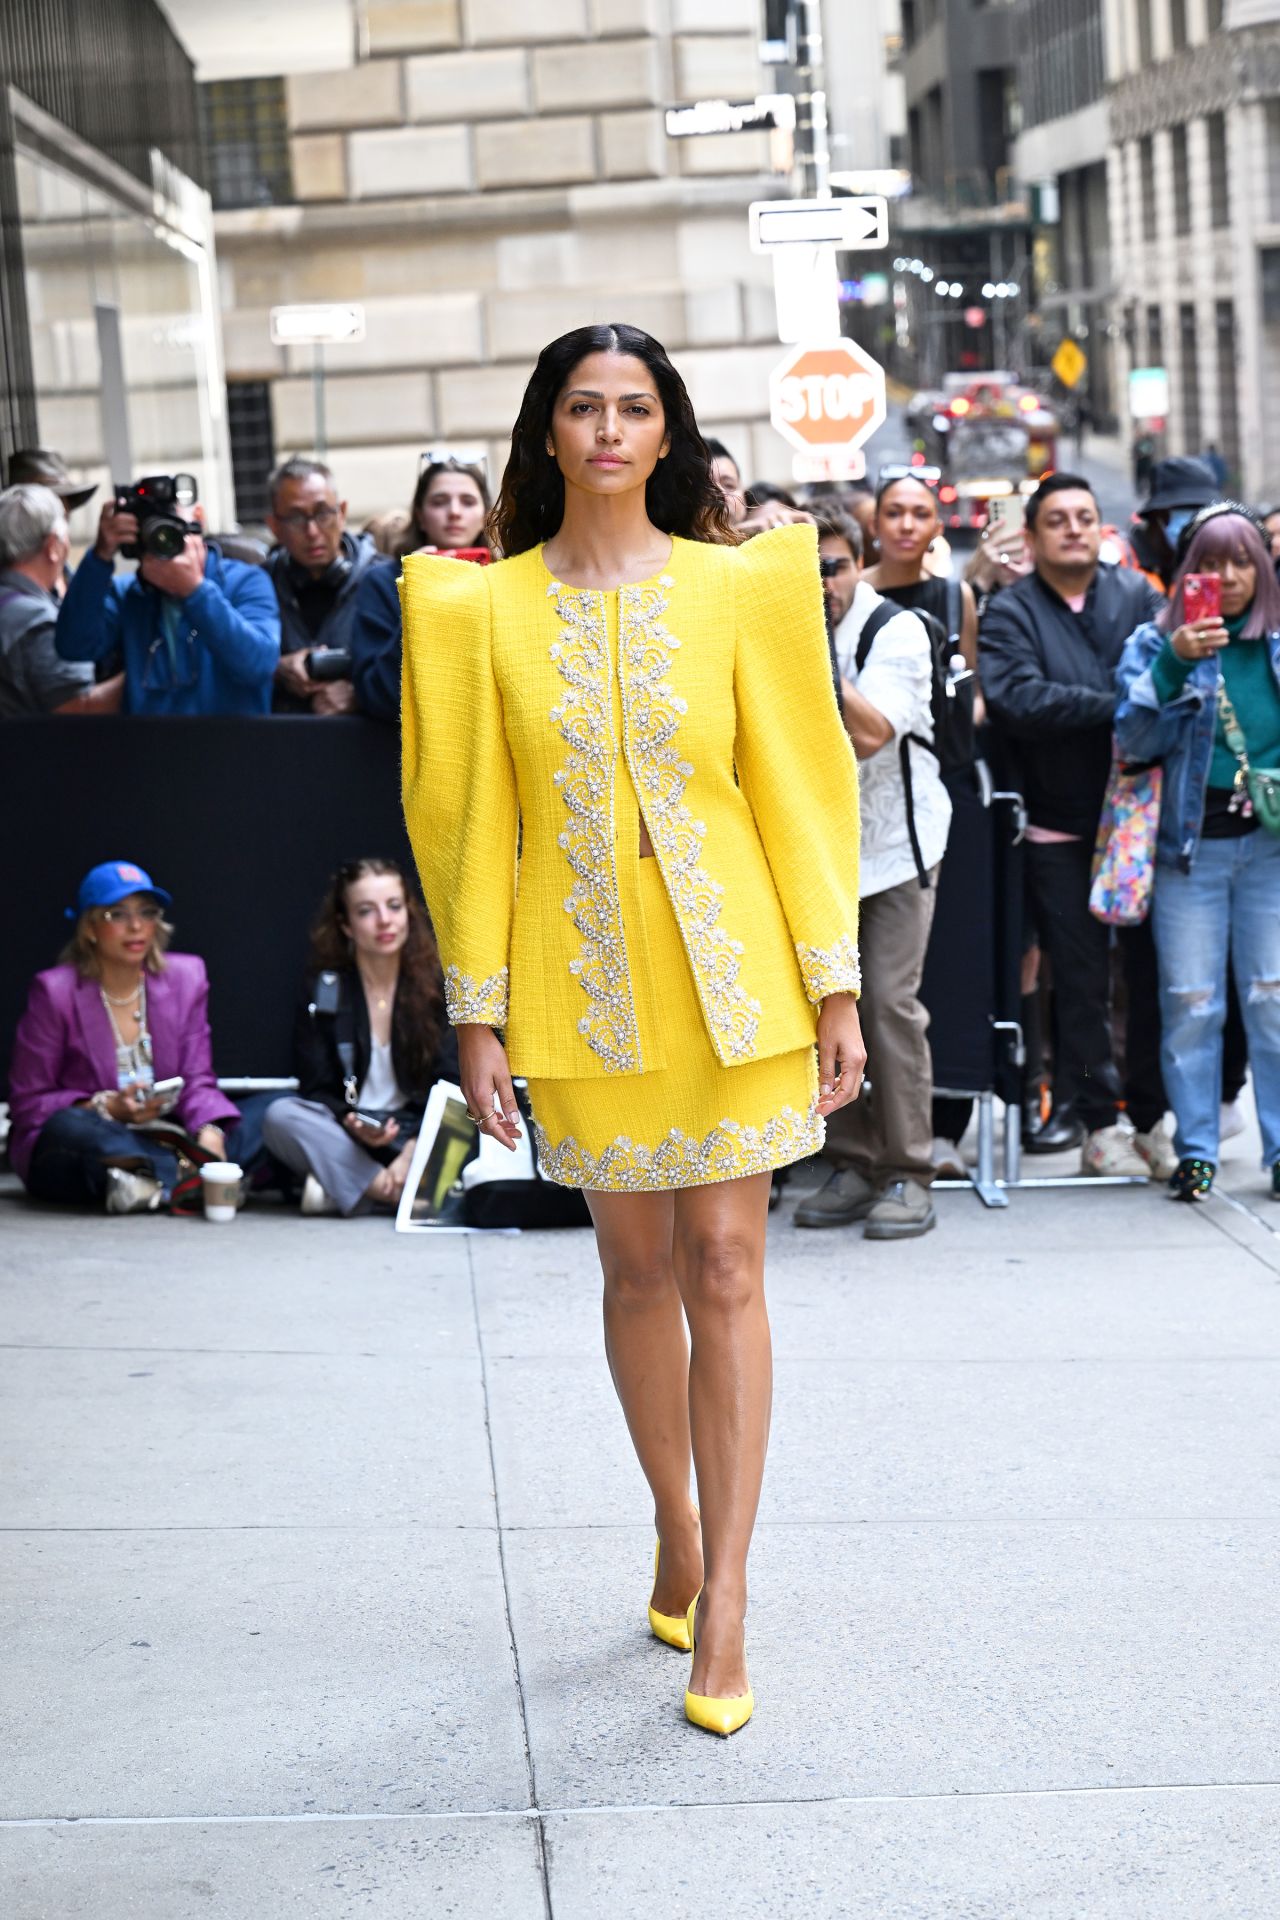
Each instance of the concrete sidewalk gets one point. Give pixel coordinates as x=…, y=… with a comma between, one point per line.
x=326, y=1563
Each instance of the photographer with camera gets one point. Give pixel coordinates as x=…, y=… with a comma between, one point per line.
x=198, y=633
x=33, y=557
x=315, y=569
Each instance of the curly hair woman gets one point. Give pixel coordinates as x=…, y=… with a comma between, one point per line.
x=371, y=1042
x=632, y=716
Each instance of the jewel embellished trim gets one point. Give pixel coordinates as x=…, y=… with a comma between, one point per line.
x=827, y=970
x=585, y=720
x=729, y=1152
x=469, y=1002
x=651, y=716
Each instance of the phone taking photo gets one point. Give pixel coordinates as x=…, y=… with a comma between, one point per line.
x=1202, y=597
x=167, y=1091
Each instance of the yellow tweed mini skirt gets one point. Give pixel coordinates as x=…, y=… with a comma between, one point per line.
x=687, y=1124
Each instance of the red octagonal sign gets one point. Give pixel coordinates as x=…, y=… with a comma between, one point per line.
x=827, y=396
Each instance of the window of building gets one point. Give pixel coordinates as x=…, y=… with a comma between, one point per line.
x=1178, y=23
x=1219, y=200
x=1181, y=180
x=1155, y=338
x=253, y=451
x=1147, y=184
x=1144, y=32
x=1224, y=319
x=246, y=140
x=1187, y=354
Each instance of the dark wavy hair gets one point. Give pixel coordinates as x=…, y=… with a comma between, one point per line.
x=681, y=495
x=417, y=1016
x=412, y=537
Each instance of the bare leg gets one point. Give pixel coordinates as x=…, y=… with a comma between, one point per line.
x=648, y=1354
x=719, y=1264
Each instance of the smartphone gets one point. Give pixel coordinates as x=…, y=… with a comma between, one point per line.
x=167, y=1091
x=1202, y=596
x=373, y=1121
x=1006, y=516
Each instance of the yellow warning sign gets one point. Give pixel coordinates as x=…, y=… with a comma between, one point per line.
x=1069, y=363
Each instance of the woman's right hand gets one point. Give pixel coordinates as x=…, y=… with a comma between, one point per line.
x=484, y=1072
x=1198, y=639
x=123, y=1105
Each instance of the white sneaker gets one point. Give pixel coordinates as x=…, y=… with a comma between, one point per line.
x=1231, y=1121
x=314, y=1198
x=948, y=1161
x=130, y=1192
x=1111, y=1150
x=1157, y=1149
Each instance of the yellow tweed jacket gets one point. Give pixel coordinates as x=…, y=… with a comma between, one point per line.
x=526, y=834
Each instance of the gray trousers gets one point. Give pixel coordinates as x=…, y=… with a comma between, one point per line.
x=887, y=1134
x=304, y=1136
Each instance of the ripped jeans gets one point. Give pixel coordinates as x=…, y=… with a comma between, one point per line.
x=1229, y=900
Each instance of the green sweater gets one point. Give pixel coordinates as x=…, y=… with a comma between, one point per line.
x=1252, y=690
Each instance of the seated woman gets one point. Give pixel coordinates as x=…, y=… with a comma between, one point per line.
x=116, y=1016
x=1203, y=696
x=448, y=515
x=371, y=1042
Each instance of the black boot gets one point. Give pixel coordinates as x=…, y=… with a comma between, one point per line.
x=1058, y=1134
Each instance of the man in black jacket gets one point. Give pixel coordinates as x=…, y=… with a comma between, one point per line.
x=315, y=570
x=1048, y=650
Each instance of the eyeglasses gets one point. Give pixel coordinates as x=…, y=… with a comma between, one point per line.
x=322, y=516
x=123, y=916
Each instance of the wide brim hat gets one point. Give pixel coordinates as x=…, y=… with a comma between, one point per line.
x=39, y=467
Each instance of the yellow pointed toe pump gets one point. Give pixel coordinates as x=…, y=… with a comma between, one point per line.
x=713, y=1714
x=673, y=1628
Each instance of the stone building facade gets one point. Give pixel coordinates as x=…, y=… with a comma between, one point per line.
x=1194, y=189
x=489, y=174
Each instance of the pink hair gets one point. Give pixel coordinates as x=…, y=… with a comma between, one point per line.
x=1230, y=536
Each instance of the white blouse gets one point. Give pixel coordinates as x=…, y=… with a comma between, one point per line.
x=380, y=1091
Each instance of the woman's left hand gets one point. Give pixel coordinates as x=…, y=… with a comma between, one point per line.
x=376, y=1139
x=842, y=1058
x=210, y=1138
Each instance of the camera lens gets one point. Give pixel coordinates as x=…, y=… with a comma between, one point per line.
x=164, y=538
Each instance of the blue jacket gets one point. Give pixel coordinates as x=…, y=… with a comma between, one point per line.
x=375, y=643
x=1179, y=734
x=226, y=643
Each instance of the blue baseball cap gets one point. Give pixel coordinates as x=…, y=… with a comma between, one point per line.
x=114, y=880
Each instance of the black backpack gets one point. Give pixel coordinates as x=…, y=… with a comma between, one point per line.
x=951, y=696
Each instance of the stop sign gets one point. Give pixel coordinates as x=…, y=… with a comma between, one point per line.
x=828, y=396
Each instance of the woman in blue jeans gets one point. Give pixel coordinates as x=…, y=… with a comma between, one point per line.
x=1184, y=684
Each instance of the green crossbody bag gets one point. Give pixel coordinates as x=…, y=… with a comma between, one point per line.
x=1260, y=784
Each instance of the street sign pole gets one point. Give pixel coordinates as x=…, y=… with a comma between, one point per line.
x=317, y=394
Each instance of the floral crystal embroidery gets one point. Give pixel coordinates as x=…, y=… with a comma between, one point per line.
x=469, y=1002
x=729, y=1152
x=652, y=715
x=584, y=717
x=827, y=970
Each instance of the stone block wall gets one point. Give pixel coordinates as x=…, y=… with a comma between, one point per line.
x=492, y=174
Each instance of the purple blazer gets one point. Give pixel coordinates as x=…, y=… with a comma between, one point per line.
x=64, y=1050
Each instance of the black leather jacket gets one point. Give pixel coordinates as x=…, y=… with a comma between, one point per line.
x=322, y=1039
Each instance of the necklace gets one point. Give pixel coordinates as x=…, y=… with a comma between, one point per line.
x=128, y=999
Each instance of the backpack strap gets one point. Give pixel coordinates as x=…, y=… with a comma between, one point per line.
x=875, y=622
x=955, y=611
x=330, y=1001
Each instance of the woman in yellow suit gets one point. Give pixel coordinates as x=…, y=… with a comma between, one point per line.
x=635, y=812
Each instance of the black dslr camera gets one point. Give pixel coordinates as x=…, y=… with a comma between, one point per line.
x=154, y=502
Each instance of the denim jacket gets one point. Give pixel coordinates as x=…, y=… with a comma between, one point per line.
x=1179, y=734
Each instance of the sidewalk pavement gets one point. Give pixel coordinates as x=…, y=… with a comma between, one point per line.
x=326, y=1563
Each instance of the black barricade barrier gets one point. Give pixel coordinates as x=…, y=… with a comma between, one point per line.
x=242, y=820
x=972, y=975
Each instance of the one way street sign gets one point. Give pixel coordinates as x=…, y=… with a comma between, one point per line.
x=848, y=222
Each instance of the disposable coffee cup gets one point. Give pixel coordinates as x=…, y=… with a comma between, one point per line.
x=222, y=1181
